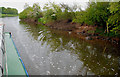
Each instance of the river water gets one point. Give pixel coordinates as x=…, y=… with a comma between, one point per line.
x=50, y=52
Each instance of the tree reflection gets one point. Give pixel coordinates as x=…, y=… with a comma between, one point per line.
x=95, y=57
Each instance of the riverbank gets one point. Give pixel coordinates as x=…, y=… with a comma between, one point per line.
x=84, y=31
x=98, y=21
x=8, y=15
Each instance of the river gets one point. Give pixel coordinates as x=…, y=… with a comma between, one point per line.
x=50, y=52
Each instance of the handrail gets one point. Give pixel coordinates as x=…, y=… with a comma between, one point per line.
x=1, y=47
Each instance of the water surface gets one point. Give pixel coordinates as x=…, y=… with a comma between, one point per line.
x=51, y=52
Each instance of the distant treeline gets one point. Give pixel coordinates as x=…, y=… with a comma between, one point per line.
x=8, y=10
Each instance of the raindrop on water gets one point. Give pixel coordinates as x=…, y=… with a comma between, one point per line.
x=58, y=68
x=41, y=62
x=116, y=74
x=72, y=69
x=51, y=63
x=112, y=69
x=69, y=72
x=109, y=56
x=98, y=63
x=104, y=67
x=69, y=32
x=89, y=69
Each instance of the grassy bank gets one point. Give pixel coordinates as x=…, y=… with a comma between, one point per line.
x=7, y=15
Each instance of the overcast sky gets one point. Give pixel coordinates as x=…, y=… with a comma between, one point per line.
x=19, y=4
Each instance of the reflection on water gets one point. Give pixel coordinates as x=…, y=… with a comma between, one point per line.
x=62, y=54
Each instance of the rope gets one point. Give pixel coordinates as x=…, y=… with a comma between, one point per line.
x=19, y=56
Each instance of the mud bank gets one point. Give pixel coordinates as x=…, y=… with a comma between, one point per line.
x=83, y=31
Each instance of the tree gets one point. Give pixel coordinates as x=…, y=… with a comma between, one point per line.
x=26, y=13
x=97, y=13
x=37, y=10
x=51, y=11
x=114, y=19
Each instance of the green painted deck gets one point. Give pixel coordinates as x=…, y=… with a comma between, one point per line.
x=14, y=65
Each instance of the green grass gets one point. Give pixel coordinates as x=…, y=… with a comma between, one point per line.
x=7, y=15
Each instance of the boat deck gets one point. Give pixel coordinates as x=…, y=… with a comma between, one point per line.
x=14, y=65
x=10, y=60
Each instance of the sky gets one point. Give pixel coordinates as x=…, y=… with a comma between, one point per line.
x=19, y=4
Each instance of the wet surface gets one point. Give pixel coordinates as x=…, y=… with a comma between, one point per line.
x=49, y=52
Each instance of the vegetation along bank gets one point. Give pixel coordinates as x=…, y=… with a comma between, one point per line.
x=100, y=20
